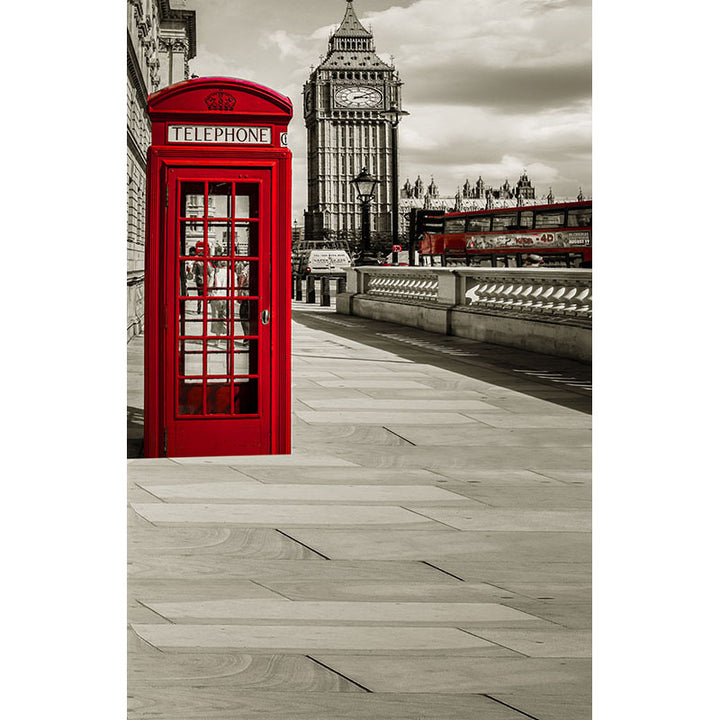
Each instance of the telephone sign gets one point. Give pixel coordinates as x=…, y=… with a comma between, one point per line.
x=217, y=283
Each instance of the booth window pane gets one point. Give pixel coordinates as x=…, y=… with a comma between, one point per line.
x=192, y=308
x=218, y=358
x=219, y=199
x=191, y=364
x=219, y=309
x=190, y=397
x=246, y=239
x=218, y=398
x=219, y=235
x=192, y=199
x=246, y=358
x=241, y=362
x=190, y=328
x=191, y=237
x=245, y=317
x=245, y=396
x=247, y=278
x=246, y=200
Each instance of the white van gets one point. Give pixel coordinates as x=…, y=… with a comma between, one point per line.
x=319, y=262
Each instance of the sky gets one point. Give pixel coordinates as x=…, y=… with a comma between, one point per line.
x=493, y=87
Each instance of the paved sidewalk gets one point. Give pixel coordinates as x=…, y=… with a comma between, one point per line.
x=424, y=553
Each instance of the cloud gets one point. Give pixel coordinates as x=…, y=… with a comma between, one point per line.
x=210, y=64
x=290, y=46
x=508, y=53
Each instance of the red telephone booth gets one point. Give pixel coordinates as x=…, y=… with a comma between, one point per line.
x=217, y=282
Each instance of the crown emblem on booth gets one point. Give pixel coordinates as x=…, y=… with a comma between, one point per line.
x=220, y=101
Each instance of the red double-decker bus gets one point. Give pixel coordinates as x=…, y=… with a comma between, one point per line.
x=561, y=234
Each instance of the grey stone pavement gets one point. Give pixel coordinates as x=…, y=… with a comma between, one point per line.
x=424, y=553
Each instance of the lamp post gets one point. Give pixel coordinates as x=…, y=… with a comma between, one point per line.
x=365, y=185
x=394, y=115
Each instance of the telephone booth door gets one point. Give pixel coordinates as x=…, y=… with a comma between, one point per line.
x=218, y=348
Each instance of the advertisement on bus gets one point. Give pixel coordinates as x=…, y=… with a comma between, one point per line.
x=527, y=240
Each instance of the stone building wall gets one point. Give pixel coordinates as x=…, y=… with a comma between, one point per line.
x=160, y=42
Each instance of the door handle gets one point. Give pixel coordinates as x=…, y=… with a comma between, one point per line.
x=265, y=317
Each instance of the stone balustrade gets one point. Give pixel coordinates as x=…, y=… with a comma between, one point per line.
x=418, y=285
x=540, y=291
x=541, y=309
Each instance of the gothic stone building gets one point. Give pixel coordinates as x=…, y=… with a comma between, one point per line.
x=160, y=41
x=344, y=100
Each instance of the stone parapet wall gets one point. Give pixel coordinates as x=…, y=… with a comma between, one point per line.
x=538, y=309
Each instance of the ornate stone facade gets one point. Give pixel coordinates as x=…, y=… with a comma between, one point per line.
x=344, y=101
x=160, y=42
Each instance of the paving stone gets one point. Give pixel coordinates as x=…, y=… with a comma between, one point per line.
x=277, y=514
x=567, y=421
x=499, y=477
x=352, y=476
x=158, y=589
x=448, y=458
x=442, y=545
x=479, y=519
x=447, y=589
x=451, y=674
x=509, y=571
x=295, y=459
x=381, y=383
x=225, y=703
x=366, y=612
x=382, y=494
x=385, y=418
x=474, y=434
x=177, y=472
x=308, y=638
x=540, y=496
x=540, y=643
x=235, y=542
x=549, y=706
x=239, y=671
x=262, y=571
x=407, y=405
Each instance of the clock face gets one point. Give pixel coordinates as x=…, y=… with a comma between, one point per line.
x=358, y=96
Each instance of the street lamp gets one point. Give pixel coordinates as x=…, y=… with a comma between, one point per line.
x=365, y=185
x=394, y=116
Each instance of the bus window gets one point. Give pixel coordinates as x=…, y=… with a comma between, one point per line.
x=550, y=219
x=506, y=221
x=580, y=218
x=479, y=223
x=526, y=219
x=455, y=225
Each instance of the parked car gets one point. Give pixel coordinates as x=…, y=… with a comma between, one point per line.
x=322, y=262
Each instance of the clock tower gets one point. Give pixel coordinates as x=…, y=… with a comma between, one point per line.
x=344, y=100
